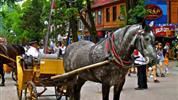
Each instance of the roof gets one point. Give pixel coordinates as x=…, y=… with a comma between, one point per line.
x=99, y=3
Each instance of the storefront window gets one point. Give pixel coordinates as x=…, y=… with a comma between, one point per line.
x=114, y=12
x=107, y=15
x=99, y=17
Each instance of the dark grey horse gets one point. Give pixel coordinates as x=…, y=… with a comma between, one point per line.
x=119, y=46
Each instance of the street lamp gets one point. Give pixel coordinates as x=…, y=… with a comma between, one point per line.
x=46, y=22
x=49, y=27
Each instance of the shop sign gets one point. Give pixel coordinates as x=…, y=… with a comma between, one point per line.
x=154, y=12
x=164, y=31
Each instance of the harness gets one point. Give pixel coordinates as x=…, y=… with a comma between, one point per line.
x=5, y=54
x=7, y=57
x=114, y=56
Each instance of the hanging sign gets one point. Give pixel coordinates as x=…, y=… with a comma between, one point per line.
x=164, y=31
x=154, y=12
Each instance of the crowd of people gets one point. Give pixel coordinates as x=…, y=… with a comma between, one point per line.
x=145, y=71
x=35, y=49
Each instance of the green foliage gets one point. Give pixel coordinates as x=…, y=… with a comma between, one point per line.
x=137, y=13
x=25, y=21
x=11, y=21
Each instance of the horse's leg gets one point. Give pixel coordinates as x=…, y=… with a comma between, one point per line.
x=118, y=89
x=76, y=90
x=105, y=91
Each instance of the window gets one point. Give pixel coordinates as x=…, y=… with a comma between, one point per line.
x=107, y=15
x=114, y=13
x=99, y=17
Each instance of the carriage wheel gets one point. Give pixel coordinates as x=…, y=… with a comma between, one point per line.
x=19, y=93
x=30, y=91
x=14, y=74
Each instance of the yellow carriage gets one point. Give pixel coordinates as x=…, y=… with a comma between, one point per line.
x=45, y=73
x=29, y=78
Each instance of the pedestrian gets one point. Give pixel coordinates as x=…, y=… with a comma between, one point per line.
x=161, y=59
x=166, y=48
x=166, y=63
x=154, y=67
x=140, y=62
x=2, y=74
x=62, y=49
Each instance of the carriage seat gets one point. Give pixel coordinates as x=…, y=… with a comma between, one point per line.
x=29, y=61
x=48, y=56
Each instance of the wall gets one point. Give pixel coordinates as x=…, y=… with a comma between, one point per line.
x=173, y=12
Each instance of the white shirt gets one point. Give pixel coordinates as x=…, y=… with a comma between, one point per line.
x=60, y=38
x=32, y=51
x=62, y=49
x=140, y=60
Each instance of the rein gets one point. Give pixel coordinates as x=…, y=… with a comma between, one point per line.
x=11, y=59
x=115, y=56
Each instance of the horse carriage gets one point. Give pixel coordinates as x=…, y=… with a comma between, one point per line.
x=106, y=62
x=33, y=73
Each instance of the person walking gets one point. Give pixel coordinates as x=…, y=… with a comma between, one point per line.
x=140, y=62
x=161, y=59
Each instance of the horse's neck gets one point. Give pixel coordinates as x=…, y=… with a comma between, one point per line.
x=124, y=48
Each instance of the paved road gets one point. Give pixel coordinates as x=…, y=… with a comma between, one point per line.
x=167, y=89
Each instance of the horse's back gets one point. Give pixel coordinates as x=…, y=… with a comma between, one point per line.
x=75, y=53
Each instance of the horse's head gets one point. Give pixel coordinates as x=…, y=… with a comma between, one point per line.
x=144, y=42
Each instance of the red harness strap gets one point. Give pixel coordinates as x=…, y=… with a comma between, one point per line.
x=119, y=61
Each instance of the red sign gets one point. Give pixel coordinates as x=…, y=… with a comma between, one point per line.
x=154, y=12
x=164, y=31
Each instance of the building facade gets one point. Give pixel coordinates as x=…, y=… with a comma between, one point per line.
x=172, y=11
x=109, y=15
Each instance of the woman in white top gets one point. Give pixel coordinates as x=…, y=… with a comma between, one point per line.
x=62, y=48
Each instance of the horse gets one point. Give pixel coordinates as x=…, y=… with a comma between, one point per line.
x=118, y=48
x=8, y=53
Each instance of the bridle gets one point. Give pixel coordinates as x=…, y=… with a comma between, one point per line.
x=114, y=56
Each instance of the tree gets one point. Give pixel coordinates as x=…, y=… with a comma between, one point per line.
x=25, y=21
x=10, y=23
x=136, y=11
x=31, y=20
x=85, y=5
